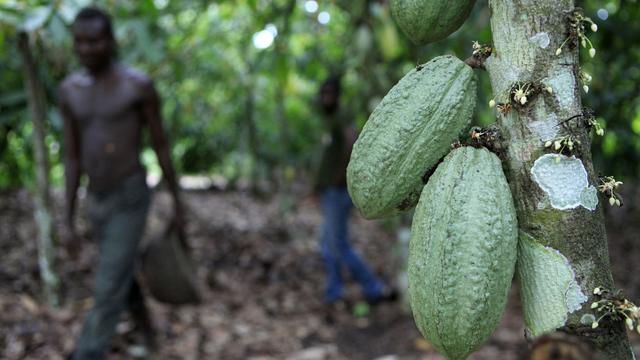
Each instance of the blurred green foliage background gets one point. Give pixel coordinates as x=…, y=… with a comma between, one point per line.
x=239, y=78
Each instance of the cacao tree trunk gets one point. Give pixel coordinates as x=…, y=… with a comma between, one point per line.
x=561, y=237
x=42, y=197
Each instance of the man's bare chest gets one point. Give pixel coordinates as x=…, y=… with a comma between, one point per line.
x=104, y=102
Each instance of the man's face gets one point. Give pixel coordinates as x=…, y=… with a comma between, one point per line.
x=92, y=43
x=329, y=97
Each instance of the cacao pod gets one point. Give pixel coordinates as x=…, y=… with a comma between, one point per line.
x=409, y=131
x=549, y=291
x=462, y=252
x=425, y=21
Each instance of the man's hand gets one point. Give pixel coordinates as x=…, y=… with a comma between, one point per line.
x=71, y=241
x=312, y=199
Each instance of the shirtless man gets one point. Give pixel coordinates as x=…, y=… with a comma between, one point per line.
x=105, y=108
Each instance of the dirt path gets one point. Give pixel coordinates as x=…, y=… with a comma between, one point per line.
x=262, y=281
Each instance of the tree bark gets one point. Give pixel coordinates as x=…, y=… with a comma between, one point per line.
x=42, y=197
x=526, y=35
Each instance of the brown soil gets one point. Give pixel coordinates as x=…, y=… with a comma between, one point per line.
x=261, y=277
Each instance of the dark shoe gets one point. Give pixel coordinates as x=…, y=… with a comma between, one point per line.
x=388, y=294
x=147, y=337
x=143, y=327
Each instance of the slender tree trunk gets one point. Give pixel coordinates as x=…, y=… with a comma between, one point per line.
x=563, y=247
x=277, y=172
x=282, y=50
x=42, y=197
x=252, y=142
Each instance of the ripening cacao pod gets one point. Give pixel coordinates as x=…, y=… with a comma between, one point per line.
x=409, y=131
x=462, y=252
x=425, y=21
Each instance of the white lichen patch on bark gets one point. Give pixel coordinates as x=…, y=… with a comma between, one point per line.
x=564, y=180
x=574, y=296
x=563, y=84
x=541, y=39
x=545, y=129
x=548, y=286
x=589, y=198
x=508, y=75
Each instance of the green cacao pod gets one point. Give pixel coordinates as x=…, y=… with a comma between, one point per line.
x=462, y=252
x=425, y=21
x=408, y=133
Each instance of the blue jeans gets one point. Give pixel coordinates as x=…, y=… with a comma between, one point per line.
x=336, y=250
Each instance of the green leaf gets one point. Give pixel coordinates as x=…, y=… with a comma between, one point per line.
x=361, y=309
x=14, y=98
x=10, y=17
x=36, y=18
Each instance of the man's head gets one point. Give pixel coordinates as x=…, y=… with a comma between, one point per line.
x=330, y=94
x=93, y=39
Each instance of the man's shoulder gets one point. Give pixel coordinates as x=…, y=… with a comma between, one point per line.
x=76, y=78
x=134, y=75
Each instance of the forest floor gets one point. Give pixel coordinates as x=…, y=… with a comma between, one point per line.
x=261, y=279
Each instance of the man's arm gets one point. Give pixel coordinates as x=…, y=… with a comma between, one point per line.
x=350, y=135
x=72, y=171
x=160, y=144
